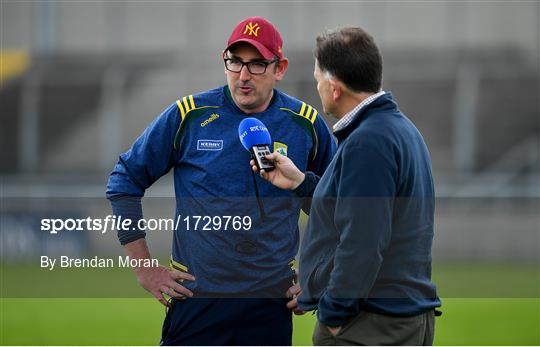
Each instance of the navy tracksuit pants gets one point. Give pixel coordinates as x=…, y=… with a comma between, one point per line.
x=228, y=321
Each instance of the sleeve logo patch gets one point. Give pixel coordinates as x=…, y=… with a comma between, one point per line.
x=209, y=145
x=281, y=148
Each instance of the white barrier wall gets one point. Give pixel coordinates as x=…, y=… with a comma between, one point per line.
x=101, y=26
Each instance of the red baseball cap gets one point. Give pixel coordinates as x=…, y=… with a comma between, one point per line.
x=259, y=33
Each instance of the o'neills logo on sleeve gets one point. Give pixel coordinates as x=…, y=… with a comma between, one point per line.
x=209, y=145
x=210, y=119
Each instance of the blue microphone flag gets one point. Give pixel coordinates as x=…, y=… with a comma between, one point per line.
x=253, y=132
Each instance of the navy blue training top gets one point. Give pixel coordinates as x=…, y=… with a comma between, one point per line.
x=197, y=137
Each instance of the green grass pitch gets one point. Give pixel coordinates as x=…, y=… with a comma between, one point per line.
x=138, y=322
x=483, y=304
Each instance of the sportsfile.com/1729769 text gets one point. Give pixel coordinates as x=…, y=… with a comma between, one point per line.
x=115, y=223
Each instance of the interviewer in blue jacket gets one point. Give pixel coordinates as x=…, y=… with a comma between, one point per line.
x=365, y=259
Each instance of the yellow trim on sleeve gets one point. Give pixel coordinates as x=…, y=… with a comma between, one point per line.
x=302, y=109
x=310, y=119
x=182, y=112
x=308, y=111
x=186, y=105
x=314, y=116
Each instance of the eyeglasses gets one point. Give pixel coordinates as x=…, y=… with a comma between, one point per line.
x=254, y=67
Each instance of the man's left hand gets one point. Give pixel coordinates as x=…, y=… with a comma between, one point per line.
x=293, y=293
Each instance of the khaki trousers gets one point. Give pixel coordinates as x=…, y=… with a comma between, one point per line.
x=378, y=330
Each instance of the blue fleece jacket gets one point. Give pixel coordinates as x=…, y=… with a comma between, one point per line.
x=368, y=241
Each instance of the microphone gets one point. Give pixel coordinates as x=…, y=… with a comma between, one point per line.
x=256, y=139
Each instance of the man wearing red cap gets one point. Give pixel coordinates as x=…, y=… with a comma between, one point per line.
x=228, y=283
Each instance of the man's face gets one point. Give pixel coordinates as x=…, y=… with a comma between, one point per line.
x=253, y=93
x=325, y=90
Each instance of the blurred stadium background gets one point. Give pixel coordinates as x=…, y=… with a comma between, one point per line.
x=80, y=80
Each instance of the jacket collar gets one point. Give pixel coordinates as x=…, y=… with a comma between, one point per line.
x=382, y=103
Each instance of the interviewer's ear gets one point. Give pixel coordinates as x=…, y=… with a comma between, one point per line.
x=337, y=89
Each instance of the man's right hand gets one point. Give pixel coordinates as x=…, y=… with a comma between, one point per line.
x=161, y=280
x=158, y=280
x=285, y=175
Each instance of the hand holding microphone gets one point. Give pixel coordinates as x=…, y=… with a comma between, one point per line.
x=285, y=176
x=273, y=167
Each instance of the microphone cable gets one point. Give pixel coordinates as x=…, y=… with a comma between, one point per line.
x=259, y=201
